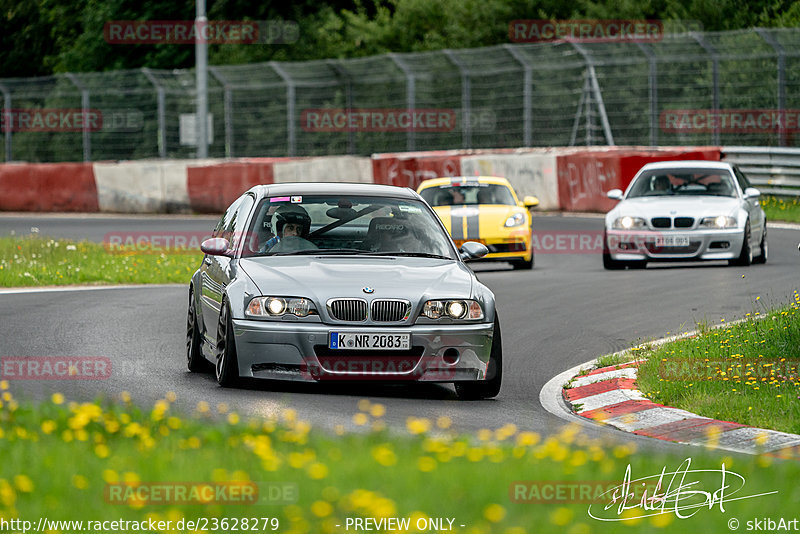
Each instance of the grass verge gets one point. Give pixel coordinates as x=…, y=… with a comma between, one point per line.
x=748, y=373
x=781, y=209
x=61, y=459
x=38, y=261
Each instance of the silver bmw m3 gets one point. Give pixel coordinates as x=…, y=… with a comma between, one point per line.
x=354, y=282
x=686, y=211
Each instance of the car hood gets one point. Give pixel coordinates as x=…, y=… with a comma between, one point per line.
x=323, y=278
x=697, y=207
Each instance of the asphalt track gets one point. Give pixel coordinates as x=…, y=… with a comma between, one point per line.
x=568, y=310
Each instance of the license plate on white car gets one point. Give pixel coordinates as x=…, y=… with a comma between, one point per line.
x=368, y=341
x=672, y=241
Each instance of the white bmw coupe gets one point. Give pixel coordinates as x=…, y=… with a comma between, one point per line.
x=685, y=211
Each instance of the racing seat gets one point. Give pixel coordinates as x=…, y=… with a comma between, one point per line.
x=386, y=233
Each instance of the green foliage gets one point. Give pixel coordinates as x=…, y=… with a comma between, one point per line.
x=48, y=36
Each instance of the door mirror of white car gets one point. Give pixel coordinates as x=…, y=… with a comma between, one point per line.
x=472, y=250
x=752, y=192
x=530, y=202
x=615, y=194
x=215, y=246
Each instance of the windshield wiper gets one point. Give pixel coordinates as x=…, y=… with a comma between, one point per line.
x=413, y=254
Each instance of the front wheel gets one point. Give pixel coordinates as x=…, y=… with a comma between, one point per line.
x=746, y=256
x=523, y=265
x=227, y=362
x=764, y=247
x=486, y=389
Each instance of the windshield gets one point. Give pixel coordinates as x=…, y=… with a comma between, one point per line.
x=452, y=194
x=345, y=225
x=673, y=182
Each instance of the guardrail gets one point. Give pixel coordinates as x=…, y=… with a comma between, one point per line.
x=774, y=171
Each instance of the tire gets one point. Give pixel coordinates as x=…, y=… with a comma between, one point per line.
x=611, y=264
x=227, y=368
x=523, y=265
x=194, y=351
x=746, y=256
x=486, y=389
x=764, y=247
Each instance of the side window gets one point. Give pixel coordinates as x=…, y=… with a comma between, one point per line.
x=239, y=222
x=226, y=227
x=744, y=183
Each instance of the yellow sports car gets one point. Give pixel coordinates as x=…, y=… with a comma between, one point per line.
x=484, y=209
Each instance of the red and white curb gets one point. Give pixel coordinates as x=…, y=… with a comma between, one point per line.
x=609, y=395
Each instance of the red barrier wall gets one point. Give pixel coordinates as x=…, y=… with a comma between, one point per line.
x=585, y=177
x=409, y=169
x=213, y=188
x=48, y=187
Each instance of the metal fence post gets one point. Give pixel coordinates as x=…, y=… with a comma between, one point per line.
x=770, y=39
x=227, y=103
x=527, y=81
x=715, y=80
x=291, y=130
x=6, y=118
x=466, y=99
x=161, y=111
x=87, y=141
x=348, y=100
x=410, y=97
x=653, y=86
x=592, y=76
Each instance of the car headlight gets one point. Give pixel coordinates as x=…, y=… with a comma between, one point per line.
x=629, y=223
x=515, y=220
x=453, y=309
x=279, y=306
x=720, y=221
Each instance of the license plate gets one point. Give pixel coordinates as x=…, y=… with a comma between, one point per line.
x=369, y=341
x=672, y=241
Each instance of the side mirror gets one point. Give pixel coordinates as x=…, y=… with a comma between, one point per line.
x=615, y=194
x=752, y=192
x=216, y=246
x=472, y=250
x=530, y=202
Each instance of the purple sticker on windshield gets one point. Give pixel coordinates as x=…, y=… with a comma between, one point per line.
x=279, y=199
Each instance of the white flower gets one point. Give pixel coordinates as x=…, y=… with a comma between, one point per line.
x=72, y=247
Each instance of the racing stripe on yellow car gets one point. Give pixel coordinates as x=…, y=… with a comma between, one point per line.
x=474, y=225
x=456, y=224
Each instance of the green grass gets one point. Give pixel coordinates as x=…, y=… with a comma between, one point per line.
x=781, y=209
x=747, y=373
x=58, y=458
x=38, y=261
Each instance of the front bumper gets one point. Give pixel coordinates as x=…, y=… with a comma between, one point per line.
x=510, y=246
x=705, y=244
x=298, y=351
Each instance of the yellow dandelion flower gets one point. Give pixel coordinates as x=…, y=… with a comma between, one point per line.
x=317, y=471
x=426, y=464
x=321, y=508
x=377, y=410
x=23, y=483
x=80, y=482
x=494, y=513
x=57, y=398
x=561, y=516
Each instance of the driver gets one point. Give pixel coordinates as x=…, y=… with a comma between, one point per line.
x=290, y=221
x=661, y=183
